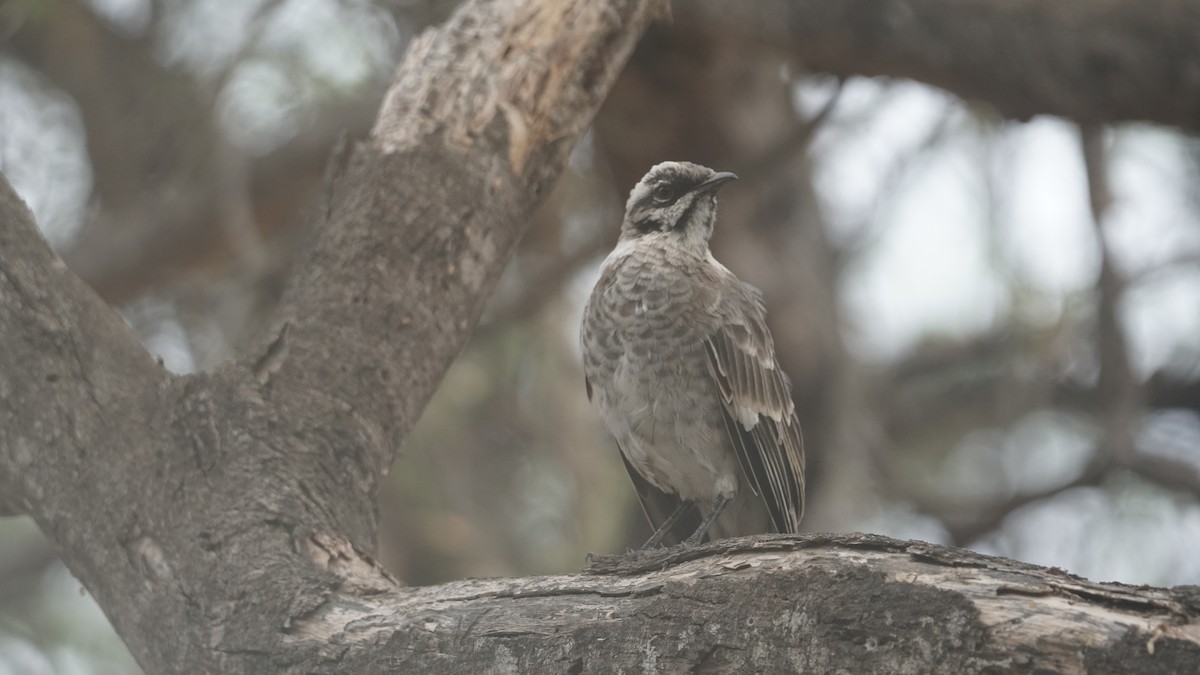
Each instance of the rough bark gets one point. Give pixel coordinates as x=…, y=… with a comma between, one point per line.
x=808, y=603
x=189, y=505
x=1087, y=60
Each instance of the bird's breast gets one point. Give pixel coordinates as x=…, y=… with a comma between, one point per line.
x=647, y=313
x=648, y=293
x=643, y=345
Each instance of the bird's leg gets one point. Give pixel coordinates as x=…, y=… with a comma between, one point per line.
x=656, y=538
x=717, y=506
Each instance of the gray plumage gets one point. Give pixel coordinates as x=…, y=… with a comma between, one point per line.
x=682, y=369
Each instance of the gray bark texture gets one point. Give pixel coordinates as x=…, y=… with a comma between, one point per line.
x=225, y=521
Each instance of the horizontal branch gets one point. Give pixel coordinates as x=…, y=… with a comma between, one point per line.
x=806, y=603
x=1170, y=473
x=966, y=522
x=1093, y=62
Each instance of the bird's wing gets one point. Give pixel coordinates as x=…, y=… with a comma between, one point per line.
x=759, y=414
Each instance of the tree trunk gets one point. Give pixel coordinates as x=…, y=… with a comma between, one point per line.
x=188, y=505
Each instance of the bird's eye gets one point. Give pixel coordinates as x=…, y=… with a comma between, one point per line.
x=663, y=193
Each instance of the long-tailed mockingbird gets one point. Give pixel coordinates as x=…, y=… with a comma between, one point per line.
x=683, y=371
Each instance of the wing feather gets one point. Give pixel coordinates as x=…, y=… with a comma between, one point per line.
x=760, y=417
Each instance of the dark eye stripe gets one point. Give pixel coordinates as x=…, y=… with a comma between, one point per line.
x=648, y=223
x=687, y=213
x=679, y=186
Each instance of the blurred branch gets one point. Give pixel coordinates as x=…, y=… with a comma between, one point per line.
x=1120, y=400
x=1169, y=473
x=150, y=138
x=1174, y=262
x=989, y=360
x=931, y=384
x=163, y=175
x=899, y=169
x=1117, y=397
x=966, y=523
x=788, y=148
x=546, y=284
x=1092, y=62
x=1166, y=390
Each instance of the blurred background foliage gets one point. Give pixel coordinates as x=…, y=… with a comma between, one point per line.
x=993, y=326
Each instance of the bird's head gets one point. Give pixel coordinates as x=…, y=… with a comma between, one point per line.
x=676, y=199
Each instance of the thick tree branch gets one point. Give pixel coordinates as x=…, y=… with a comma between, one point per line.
x=1105, y=61
x=815, y=603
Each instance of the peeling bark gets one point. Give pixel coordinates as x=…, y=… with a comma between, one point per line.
x=808, y=603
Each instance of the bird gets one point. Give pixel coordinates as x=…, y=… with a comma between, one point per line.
x=680, y=365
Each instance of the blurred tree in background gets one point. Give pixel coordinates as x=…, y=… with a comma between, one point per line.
x=992, y=318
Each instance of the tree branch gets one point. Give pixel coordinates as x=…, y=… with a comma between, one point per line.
x=965, y=523
x=1117, y=386
x=1092, y=62
x=1165, y=471
x=150, y=137
x=807, y=603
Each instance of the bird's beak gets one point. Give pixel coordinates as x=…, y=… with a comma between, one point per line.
x=715, y=181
